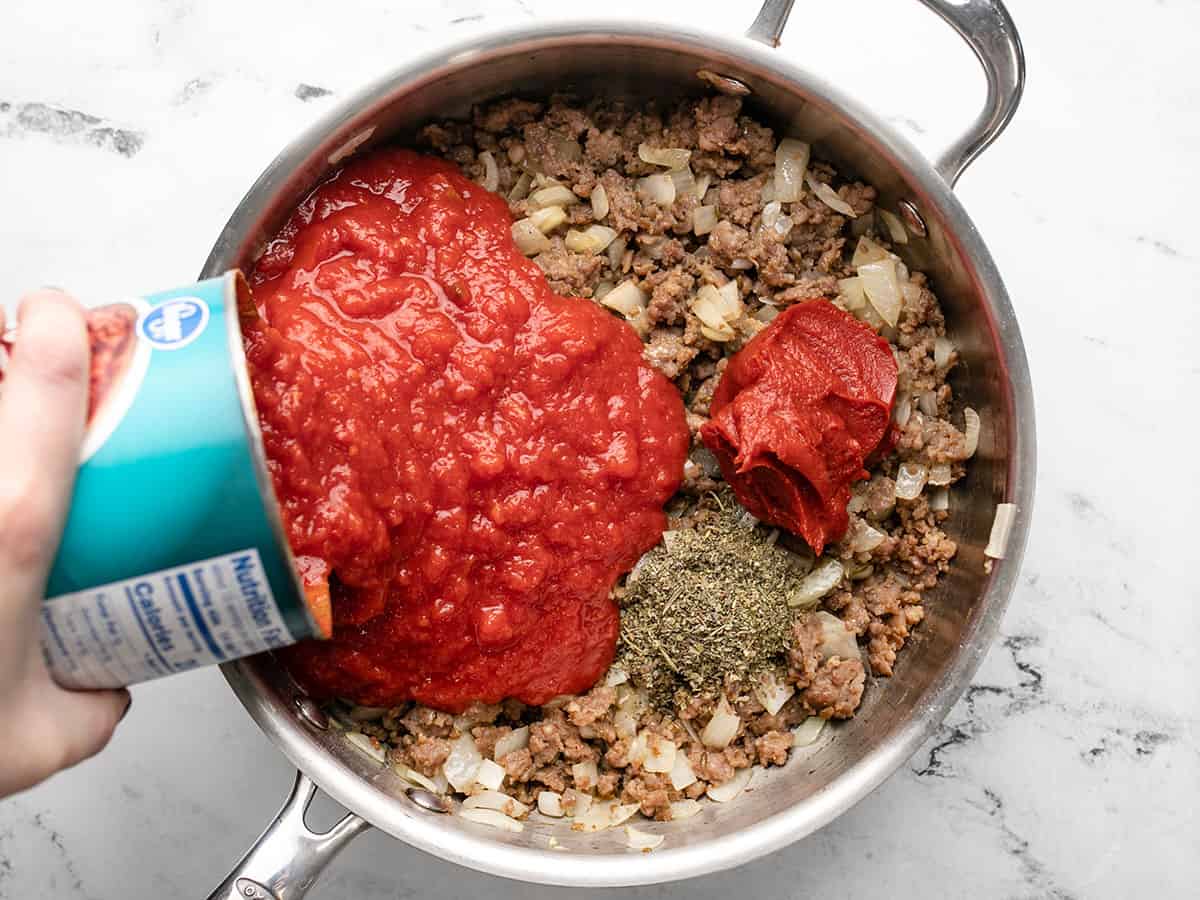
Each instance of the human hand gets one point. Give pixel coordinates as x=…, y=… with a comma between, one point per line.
x=43, y=403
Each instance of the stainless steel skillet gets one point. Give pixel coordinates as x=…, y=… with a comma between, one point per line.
x=635, y=61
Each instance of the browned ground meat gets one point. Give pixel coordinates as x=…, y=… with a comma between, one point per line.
x=772, y=264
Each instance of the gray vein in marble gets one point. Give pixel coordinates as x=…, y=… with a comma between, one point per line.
x=1161, y=246
x=909, y=123
x=1033, y=870
x=1136, y=745
x=1024, y=696
x=196, y=87
x=478, y=17
x=67, y=126
x=307, y=92
x=1120, y=632
x=55, y=841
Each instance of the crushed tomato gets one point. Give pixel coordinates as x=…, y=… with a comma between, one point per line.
x=466, y=459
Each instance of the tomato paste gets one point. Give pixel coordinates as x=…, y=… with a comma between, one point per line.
x=796, y=414
x=112, y=341
x=467, y=460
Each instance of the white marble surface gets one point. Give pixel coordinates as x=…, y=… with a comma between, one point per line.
x=1070, y=770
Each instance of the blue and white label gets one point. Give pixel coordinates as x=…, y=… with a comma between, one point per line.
x=171, y=621
x=175, y=323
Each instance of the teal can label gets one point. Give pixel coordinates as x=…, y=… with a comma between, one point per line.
x=174, y=554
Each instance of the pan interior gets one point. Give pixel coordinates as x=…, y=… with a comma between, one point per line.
x=898, y=712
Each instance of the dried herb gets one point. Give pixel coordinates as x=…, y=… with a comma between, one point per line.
x=707, y=604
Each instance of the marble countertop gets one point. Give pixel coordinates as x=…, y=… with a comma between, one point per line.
x=129, y=130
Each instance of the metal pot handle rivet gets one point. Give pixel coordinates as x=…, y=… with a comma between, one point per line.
x=989, y=31
x=286, y=860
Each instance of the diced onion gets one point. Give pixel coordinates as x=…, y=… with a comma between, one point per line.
x=625, y=723
x=601, y=290
x=682, y=774
x=704, y=219
x=783, y=226
x=555, y=195
x=491, y=174
x=660, y=754
x=865, y=538
x=766, y=313
x=463, y=763
x=836, y=638
x=972, y=433
x=807, y=731
x=882, y=286
x=616, y=251
x=731, y=299
x=771, y=692
x=940, y=474
x=829, y=196
x=771, y=213
x=529, y=238
x=741, y=263
x=685, y=809
x=550, y=804
x=517, y=739
x=415, y=777
x=710, y=307
x=684, y=181
x=642, y=840
x=520, y=190
x=615, y=676
x=722, y=728
x=720, y=335
x=858, y=573
x=910, y=480
x=599, y=202
x=902, y=411
x=604, y=814
x=940, y=500
x=997, y=545
x=723, y=793
x=670, y=157
x=591, y=240
x=490, y=775
x=927, y=401
x=942, y=349
x=626, y=298
x=367, y=713
x=548, y=219
x=586, y=775
x=493, y=799
x=702, y=184
x=817, y=583
x=658, y=189
x=767, y=194
x=867, y=251
x=492, y=818
x=791, y=162
x=367, y=745
x=576, y=801
x=852, y=293
x=894, y=226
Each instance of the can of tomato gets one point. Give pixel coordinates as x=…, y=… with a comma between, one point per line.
x=174, y=554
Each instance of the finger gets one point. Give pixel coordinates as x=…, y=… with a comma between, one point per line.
x=84, y=721
x=42, y=410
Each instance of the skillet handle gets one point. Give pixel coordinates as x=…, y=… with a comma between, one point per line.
x=989, y=31
x=287, y=859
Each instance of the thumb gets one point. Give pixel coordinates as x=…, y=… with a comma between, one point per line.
x=81, y=722
x=59, y=728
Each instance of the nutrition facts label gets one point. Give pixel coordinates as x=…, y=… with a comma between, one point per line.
x=205, y=612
